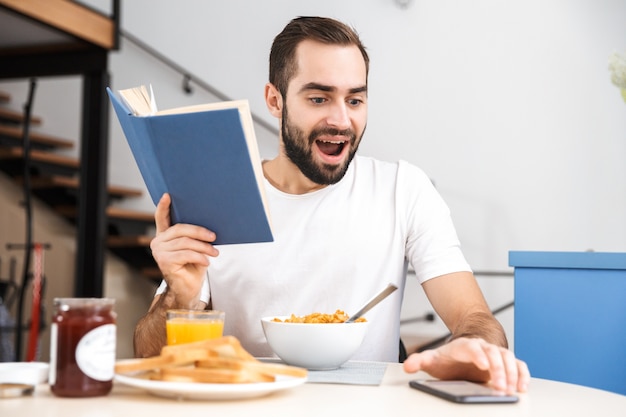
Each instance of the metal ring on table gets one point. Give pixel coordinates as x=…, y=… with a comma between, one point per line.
x=8, y=390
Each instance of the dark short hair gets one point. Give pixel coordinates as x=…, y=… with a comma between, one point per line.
x=283, y=64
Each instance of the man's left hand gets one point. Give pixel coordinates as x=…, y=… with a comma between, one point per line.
x=473, y=359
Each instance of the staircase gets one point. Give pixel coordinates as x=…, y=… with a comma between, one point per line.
x=55, y=180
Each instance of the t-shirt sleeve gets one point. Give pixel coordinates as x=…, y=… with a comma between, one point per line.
x=433, y=247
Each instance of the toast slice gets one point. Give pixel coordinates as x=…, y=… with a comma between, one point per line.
x=221, y=360
x=214, y=375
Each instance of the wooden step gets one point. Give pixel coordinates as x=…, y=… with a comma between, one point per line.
x=5, y=97
x=137, y=241
x=120, y=222
x=133, y=215
x=135, y=250
x=55, y=182
x=59, y=190
x=13, y=135
x=16, y=117
x=123, y=222
x=111, y=212
x=12, y=162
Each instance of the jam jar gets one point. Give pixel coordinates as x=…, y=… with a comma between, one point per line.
x=82, y=347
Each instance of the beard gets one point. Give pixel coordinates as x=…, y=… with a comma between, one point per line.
x=299, y=150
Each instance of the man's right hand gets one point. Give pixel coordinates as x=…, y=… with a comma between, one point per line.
x=182, y=253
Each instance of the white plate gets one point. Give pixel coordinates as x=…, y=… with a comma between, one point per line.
x=205, y=391
x=30, y=373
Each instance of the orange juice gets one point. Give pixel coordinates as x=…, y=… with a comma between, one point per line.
x=182, y=330
x=185, y=326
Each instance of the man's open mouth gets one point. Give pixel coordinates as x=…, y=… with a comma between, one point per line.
x=332, y=148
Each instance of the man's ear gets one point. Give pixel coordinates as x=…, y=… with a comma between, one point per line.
x=273, y=100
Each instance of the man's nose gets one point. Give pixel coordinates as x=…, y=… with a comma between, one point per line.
x=338, y=116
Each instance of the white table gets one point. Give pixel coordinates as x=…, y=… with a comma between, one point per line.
x=392, y=398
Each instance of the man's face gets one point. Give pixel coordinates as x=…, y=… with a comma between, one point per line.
x=325, y=111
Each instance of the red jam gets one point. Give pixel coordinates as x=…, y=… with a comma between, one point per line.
x=82, y=347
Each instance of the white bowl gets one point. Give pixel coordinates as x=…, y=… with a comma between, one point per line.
x=315, y=346
x=30, y=373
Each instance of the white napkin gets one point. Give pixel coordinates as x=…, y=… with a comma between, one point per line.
x=351, y=372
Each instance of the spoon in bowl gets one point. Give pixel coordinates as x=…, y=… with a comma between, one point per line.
x=371, y=303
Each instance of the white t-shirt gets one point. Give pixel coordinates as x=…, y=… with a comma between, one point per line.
x=334, y=249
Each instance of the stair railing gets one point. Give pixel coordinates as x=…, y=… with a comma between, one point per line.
x=188, y=77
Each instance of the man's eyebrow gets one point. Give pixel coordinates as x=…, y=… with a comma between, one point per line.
x=362, y=89
x=328, y=88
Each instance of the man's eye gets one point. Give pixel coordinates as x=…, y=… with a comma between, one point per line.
x=318, y=100
x=355, y=102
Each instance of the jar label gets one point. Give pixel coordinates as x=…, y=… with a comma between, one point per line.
x=52, y=371
x=95, y=353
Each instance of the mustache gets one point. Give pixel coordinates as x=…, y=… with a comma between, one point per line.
x=349, y=133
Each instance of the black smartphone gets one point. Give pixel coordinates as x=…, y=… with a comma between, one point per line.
x=462, y=391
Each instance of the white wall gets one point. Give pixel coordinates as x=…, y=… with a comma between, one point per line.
x=507, y=105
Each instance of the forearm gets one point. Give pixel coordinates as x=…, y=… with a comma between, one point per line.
x=481, y=325
x=458, y=300
x=150, y=335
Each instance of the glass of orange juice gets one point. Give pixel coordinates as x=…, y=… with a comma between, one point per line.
x=185, y=326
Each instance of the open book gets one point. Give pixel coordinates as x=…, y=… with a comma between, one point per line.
x=205, y=156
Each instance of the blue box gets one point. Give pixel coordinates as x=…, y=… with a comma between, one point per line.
x=570, y=316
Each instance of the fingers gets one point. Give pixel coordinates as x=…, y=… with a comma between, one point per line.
x=180, y=236
x=499, y=366
x=511, y=372
x=162, y=214
x=163, y=220
x=418, y=361
x=473, y=359
x=507, y=373
x=182, y=246
x=182, y=249
x=523, y=376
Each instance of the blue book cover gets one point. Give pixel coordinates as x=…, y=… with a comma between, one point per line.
x=206, y=158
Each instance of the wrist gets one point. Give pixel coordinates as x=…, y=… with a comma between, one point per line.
x=172, y=300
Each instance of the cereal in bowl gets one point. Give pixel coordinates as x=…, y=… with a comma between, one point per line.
x=338, y=317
